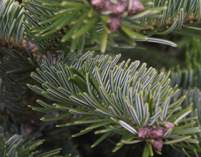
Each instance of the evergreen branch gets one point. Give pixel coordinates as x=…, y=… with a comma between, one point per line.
x=85, y=25
x=123, y=98
x=82, y=25
x=177, y=15
x=11, y=28
x=192, y=96
x=188, y=79
x=16, y=146
x=48, y=28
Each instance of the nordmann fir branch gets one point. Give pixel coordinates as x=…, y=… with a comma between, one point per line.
x=89, y=25
x=116, y=10
x=178, y=14
x=114, y=15
x=110, y=24
x=17, y=145
x=126, y=99
x=169, y=23
x=11, y=28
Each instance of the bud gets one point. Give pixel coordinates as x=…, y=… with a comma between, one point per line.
x=135, y=7
x=168, y=125
x=116, y=8
x=114, y=23
x=98, y=4
x=157, y=145
x=144, y=132
x=157, y=133
x=30, y=46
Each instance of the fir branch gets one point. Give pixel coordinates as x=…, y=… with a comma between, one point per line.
x=17, y=146
x=177, y=15
x=11, y=28
x=188, y=79
x=123, y=98
x=95, y=26
x=82, y=25
x=192, y=96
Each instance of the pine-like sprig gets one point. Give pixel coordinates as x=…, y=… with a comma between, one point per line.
x=16, y=146
x=11, y=28
x=82, y=25
x=113, y=97
x=179, y=13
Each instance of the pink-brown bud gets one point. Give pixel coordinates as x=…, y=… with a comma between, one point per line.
x=114, y=24
x=116, y=8
x=98, y=4
x=119, y=7
x=157, y=145
x=30, y=46
x=135, y=7
x=144, y=132
x=157, y=133
x=168, y=125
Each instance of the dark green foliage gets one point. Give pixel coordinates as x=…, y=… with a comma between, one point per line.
x=15, y=68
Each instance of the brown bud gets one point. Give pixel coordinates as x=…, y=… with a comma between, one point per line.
x=116, y=8
x=157, y=133
x=144, y=132
x=168, y=125
x=30, y=46
x=157, y=145
x=98, y=4
x=114, y=24
x=135, y=7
